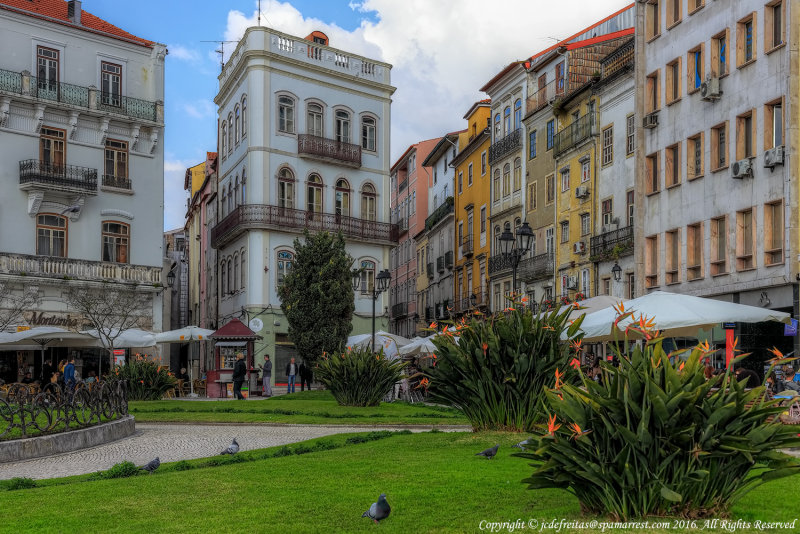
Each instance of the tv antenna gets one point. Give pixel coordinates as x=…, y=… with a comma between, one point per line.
x=220, y=51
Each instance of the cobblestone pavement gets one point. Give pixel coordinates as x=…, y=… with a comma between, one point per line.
x=174, y=442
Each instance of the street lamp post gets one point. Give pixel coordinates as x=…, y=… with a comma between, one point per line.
x=381, y=284
x=616, y=270
x=514, y=249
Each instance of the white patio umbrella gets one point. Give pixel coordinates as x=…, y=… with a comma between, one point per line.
x=590, y=305
x=676, y=315
x=130, y=338
x=418, y=346
x=187, y=334
x=391, y=343
x=43, y=337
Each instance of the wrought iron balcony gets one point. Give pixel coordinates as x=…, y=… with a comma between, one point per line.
x=22, y=83
x=612, y=245
x=505, y=146
x=498, y=263
x=440, y=264
x=266, y=217
x=400, y=309
x=439, y=213
x=466, y=247
x=81, y=270
x=429, y=270
x=329, y=150
x=120, y=182
x=537, y=267
x=465, y=304
x=448, y=259
x=35, y=174
x=580, y=129
x=402, y=225
x=555, y=90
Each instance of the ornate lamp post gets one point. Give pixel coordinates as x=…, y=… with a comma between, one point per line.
x=514, y=249
x=616, y=271
x=381, y=284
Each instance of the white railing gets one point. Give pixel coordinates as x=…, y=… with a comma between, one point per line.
x=83, y=270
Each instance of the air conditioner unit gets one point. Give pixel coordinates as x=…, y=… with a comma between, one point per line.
x=572, y=282
x=581, y=192
x=742, y=168
x=651, y=120
x=579, y=247
x=773, y=156
x=709, y=90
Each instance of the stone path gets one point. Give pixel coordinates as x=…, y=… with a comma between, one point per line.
x=174, y=442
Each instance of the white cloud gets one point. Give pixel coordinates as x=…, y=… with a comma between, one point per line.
x=174, y=194
x=183, y=53
x=200, y=109
x=442, y=52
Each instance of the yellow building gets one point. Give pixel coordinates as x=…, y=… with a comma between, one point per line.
x=424, y=314
x=471, y=210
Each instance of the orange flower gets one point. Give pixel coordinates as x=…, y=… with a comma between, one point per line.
x=559, y=376
x=778, y=355
x=576, y=344
x=509, y=309
x=619, y=308
x=523, y=299
x=576, y=431
x=575, y=363
x=704, y=347
x=548, y=327
x=552, y=426
x=485, y=346
x=433, y=325
x=423, y=384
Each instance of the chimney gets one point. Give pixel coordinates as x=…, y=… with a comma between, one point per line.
x=74, y=11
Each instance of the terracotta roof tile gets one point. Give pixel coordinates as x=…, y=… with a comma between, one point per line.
x=56, y=11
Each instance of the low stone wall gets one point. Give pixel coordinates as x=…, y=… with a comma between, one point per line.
x=24, y=449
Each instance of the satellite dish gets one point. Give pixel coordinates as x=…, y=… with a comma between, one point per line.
x=256, y=324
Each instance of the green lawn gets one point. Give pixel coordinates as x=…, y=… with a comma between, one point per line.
x=310, y=407
x=433, y=482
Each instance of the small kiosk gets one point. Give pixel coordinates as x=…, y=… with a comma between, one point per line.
x=232, y=338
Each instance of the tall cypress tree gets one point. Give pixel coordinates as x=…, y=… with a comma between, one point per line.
x=317, y=295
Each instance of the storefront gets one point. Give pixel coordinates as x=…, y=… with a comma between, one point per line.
x=229, y=340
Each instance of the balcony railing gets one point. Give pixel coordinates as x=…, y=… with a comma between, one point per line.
x=440, y=264
x=260, y=216
x=439, y=213
x=505, y=146
x=22, y=83
x=329, y=150
x=82, y=270
x=556, y=89
x=402, y=225
x=429, y=270
x=33, y=172
x=448, y=259
x=537, y=267
x=581, y=129
x=466, y=246
x=120, y=182
x=498, y=263
x=612, y=245
x=400, y=309
x=465, y=304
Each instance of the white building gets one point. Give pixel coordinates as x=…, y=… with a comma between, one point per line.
x=716, y=87
x=82, y=166
x=303, y=143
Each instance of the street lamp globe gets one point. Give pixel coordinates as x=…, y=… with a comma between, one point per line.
x=383, y=279
x=506, y=242
x=524, y=238
x=171, y=278
x=616, y=270
x=356, y=279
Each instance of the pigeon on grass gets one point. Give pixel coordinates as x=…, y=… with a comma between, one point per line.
x=151, y=466
x=378, y=510
x=489, y=453
x=524, y=444
x=232, y=449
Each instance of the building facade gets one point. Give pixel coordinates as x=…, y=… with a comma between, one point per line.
x=81, y=118
x=717, y=87
x=303, y=143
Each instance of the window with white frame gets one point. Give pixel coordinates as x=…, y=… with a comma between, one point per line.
x=314, y=120
x=314, y=194
x=368, y=133
x=285, y=114
x=368, y=202
x=285, y=261
x=608, y=145
x=565, y=179
x=51, y=235
x=116, y=243
x=342, y=198
x=342, y=126
x=285, y=188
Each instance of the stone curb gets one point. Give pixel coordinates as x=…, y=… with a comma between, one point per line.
x=48, y=445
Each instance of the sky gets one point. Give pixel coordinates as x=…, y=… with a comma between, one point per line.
x=442, y=52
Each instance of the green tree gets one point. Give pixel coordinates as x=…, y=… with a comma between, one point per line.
x=317, y=295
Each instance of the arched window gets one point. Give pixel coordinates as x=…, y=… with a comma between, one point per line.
x=314, y=194
x=223, y=279
x=51, y=235
x=517, y=174
x=223, y=141
x=230, y=132
x=242, y=277
x=285, y=188
x=244, y=185
x=368, y=203
x=497, y=132
x=116, y=242
x=517, y=223
x=368, y=134
x=342, y=126
x=497, y=246
x=285, y=261
x=285, y=114
x=517, y=113
x=236, y=192
x=244, y=116
x=506, y=179
x=314, y=125
x=496, y=185
x=230, y=277
x=342, y=197
x=235, y=272
x=507, y=121
x=224, y=205
x=367, y=276
x=238, y=125
x=230, y=198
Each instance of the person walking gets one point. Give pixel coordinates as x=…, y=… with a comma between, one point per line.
x=306, y=375
x=69, y=374
x=266, y=377
x=239, y=372
x=291, y=373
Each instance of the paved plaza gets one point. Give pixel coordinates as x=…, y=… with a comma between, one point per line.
x=174, y=442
